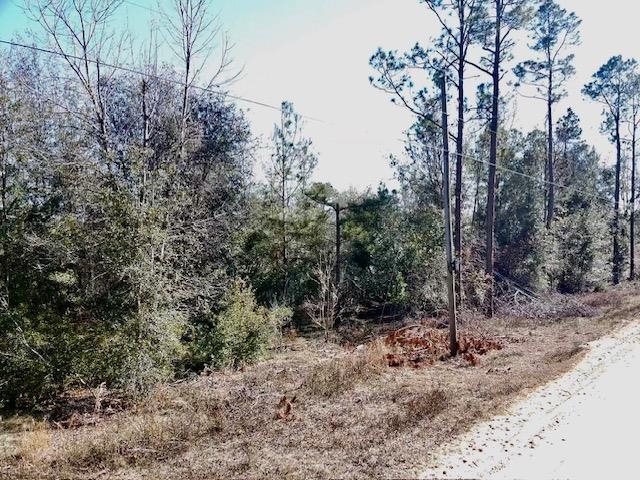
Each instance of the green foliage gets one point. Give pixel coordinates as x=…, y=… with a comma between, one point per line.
x=553, y=31
x=609, y=86
x=108, y=251
x=577, y=252
x=519, y=229
x=580, y=230
x=240, y=333
x=127, y=210
x=287, y=229
x=35, y=354
x=393, y=256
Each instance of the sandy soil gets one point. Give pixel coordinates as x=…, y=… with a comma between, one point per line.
x=582, y=425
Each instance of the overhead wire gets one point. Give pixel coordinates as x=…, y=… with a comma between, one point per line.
x=433, y=147
x=132, y=70
x=466, y=156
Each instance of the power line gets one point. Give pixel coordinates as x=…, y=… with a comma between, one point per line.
x=515, y=172
x=143, y=7
x=273, y=107
x=128, y=69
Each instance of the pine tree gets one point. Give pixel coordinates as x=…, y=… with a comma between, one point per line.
x=553, y=32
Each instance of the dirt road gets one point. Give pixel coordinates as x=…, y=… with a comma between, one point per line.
x=583, y=425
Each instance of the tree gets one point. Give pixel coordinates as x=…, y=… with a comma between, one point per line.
x=386, y=248
x=553, y=32
x=579, y=226
x=461, y=21
x=79, y=31
x=633, y=122
x=519, y=207
x=419, y=170
x=609, y=86
x=497, y=42
x=195, y=36
x=118, y=239
x=288, y=173
x=395, y=79
x=568, y=131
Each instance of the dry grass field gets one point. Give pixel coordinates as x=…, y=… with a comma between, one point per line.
x=375, y=406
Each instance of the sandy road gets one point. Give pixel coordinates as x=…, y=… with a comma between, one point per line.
x=586, y=424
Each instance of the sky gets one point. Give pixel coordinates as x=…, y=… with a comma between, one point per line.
x=315, y=53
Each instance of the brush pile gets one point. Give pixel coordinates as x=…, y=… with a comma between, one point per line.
x=417, y=346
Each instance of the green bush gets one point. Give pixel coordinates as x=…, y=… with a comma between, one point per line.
x=42, y=354
x=240, y=333
x=36, y=355
x=136, y=355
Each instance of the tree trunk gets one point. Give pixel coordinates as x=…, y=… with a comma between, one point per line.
x=145, y=143
x=475, y=216
x=185, y=106
x=459, y=161
x=493, y=159
x=617, y=260
x=4, y=154
x=550, y=167
x=451, y=289
x=338, y=269
x=338, y=246
x=285, y=275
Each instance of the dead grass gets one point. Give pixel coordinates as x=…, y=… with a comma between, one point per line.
x=342, y=374
x=315, y=410
x=418, y=408
x=564, y=355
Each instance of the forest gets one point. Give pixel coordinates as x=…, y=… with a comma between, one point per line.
x=138, y=247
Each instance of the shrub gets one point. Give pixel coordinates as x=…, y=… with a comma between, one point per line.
x=137, y=355
x=42, y=354
x=36, y=355
x=578, y=241
x=239, y=334
x=280, y=317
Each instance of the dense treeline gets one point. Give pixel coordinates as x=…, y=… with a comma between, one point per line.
x=135, y=246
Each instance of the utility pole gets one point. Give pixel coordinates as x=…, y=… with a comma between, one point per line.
x=338, y=245
x=451, y=266
x=337, y=209
x=632, y=233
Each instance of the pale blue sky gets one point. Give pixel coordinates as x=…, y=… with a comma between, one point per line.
x=315, y=53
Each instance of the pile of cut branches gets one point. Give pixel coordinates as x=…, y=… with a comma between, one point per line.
x=418, y=346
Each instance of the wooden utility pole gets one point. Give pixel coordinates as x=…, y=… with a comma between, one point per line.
x=451, y=267
x=338, y=245
x=632, y=233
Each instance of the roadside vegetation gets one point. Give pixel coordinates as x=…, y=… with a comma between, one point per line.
x=350, y=411
x=164, y=313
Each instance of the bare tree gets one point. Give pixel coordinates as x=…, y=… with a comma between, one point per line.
x=323, y=309
x=195, y=36
x=79, y=31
